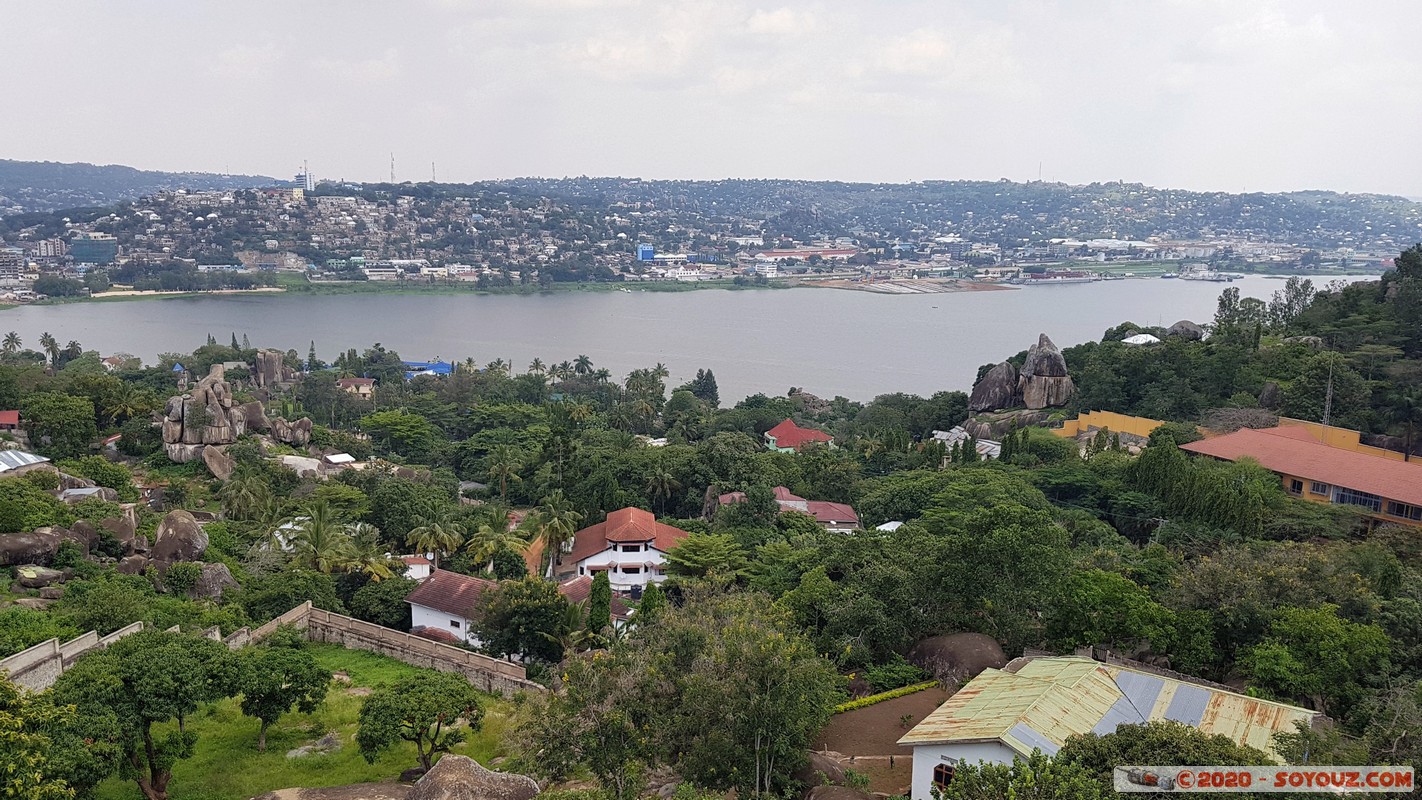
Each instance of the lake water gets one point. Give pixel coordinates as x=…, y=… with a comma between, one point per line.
x=827, y=341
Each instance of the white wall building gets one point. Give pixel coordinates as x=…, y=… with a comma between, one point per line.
x=445, y=602
x=630, y=545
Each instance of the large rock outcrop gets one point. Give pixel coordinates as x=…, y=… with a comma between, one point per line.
x=179, y=538
x=213, y=582
x=218, y=463
x=271, y=371
x=1185, y=329
x=957, y=657
x=820, y=770
x=37, y=547
x=201, y=417
x=462, y=778
x=997, y=389
x=1043, y=381
x=296, y=433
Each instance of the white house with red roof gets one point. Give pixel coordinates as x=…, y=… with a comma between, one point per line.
x=578, y=590
x=837, y=517
x=630, y=545
x=787, y=437
x=445, y=602
x=417, y=567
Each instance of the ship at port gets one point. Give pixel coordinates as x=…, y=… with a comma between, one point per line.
x=1055, y=276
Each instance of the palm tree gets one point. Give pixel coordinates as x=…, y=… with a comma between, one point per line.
x=127, y=404
x=50, y=345
x=504, y=464
x=320, y=541
x=579, y=412
x=582, y=365
x=602, y=375
x=12, y=342
x=365, y=555
x=537, y=367
x=660, y=371
x=243, y=497
x=490, y=539
x=1404, y=407
x=571, y=636
x=436, y=534
x=563, y=371
x=661, y=484
x=555, y=523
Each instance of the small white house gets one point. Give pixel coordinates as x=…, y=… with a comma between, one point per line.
x=445, y=602
x=417, y=567
x=630, y=545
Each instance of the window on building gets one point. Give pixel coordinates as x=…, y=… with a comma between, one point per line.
x=1403, y=510
x=1295, y=486
x=631, y=548
x=631, y=570
x=454, y=623
x=1319, y=488
x=943, y=775
x=1353, y=497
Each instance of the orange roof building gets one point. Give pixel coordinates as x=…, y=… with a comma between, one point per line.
x=630, y=545
x=787, y=437
x=1388, y=489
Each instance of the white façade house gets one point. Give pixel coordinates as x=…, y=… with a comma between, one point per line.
x=445, y=602
x=630, y=545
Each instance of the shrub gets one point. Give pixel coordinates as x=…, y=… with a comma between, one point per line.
x=69, y=555
x=897, y=672
x=864, y=702
x=180, y=578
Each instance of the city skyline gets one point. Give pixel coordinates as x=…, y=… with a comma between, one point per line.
x=1191, y=95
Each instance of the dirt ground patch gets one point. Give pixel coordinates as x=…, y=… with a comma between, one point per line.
x=873, y=730
x=867, y=739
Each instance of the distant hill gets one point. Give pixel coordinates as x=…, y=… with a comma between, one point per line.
x=50, y=185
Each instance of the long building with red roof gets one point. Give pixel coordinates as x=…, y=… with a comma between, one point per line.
x=787, y=437
x=1389, y=490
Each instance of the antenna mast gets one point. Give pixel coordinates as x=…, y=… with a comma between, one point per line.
x=1328, y=396
x=392, y=167
x=432, y=173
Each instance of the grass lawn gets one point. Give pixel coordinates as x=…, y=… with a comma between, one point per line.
x=227, y=765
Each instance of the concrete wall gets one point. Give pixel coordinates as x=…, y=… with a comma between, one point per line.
x=1342, y=438
x=488, y=674
x=40, y=666
x=1118, y=423
x=928, y=756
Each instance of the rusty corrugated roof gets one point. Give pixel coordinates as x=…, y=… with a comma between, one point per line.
x=1048, y=700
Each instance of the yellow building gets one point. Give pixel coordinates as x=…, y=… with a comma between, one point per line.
x=1117, y=423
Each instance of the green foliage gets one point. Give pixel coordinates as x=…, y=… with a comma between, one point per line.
x=526, y=617
x=26, y=772
x=1163, y=743
x=22, y=628
x=25, y=506
x=706, y=556
x=180, y=578
x=103, y=472
x=268, y=596
x=893, y=674
x=1038, y=777
x=276, y=680
x=424, y=709
x=869, y=700
x=600, y=603
x=124, y=692
x=383, y=603
x=1314, y=654
x=59, y=425
x=401, y=432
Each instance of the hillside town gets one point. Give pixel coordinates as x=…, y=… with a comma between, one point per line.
x=538, y=233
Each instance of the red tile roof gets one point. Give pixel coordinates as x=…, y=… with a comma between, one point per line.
x=450, y=592
x=435, y=634
x=624, y=525
x=9, y=418
x=346, y=383
x=579, y=589
x=414, y=560
x=1292, y=451
x=823, y=511
x=788, y=434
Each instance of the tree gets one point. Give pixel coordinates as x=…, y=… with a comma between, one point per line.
x=437, y=534
x=425, y=709
x=275, y=680
x=554, y=523
x=50, y=345
x=1314, y=653
x=411, y=435
x=25, y=750
x=706, y=556
x=525, y=617
x=600, y=603
x=487, y=540
x=319, y=539
x=1037, y=777
x=59, y=425
x=661, y=484
x=1163, y=743
x=383, y=603
x=1404, y=408
x=703, y=386
x=504, y=465
x=124, y=692
x=13, y=342
x=582, y=365
x=654, y=601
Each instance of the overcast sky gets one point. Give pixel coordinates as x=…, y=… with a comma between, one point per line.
x=1221, y=94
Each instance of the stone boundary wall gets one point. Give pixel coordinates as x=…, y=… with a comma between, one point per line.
x=40, y=666
x=489, y=674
